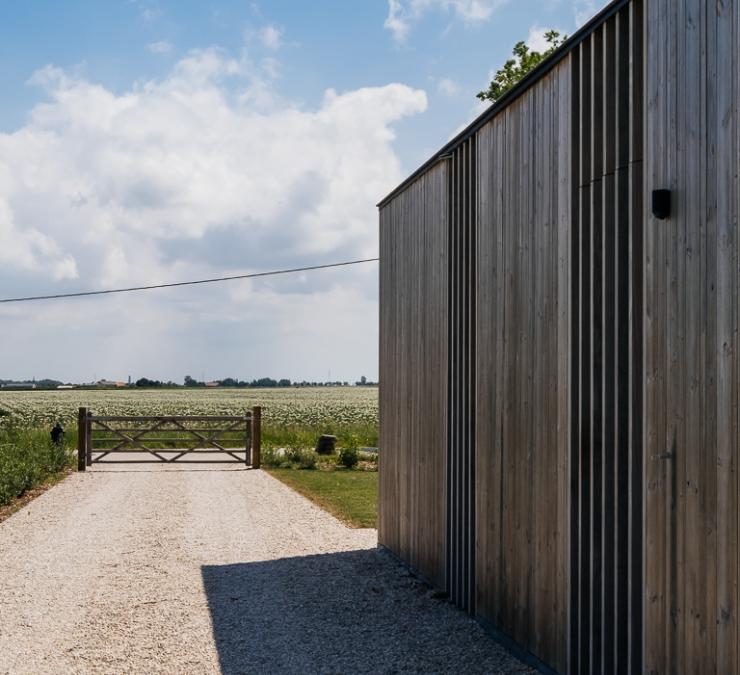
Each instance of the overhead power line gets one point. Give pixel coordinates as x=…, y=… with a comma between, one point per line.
x=59, y=296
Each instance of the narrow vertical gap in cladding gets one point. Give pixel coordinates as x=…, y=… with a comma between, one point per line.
x=452, y=374
x=608, y=525
x=622, y=341
x=451, y=428
x=460, y=372
x=458, y=375
x=466, y=384
x=460, y=517
x=456, y=439
x=462, y=392
x=596, y=365
x=585, y=449
x=622, y=436
x=575, y=409
x=636, y=234
x=473, y=374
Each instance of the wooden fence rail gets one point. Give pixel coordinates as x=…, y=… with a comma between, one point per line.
x=169, y=438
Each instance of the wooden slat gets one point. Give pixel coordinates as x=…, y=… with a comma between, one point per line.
x=573, y=348
x=726, y=343
x=522, y=227
x=413, y=373
x=565, y=362
x=609, y=342
x=654, y=476
x=634, y=266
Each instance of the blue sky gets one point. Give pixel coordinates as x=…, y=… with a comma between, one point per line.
x=145, y=141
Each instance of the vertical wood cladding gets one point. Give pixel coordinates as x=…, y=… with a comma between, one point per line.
x=606, y=459
x=584, y=350
x=413, y=374
x=462, y=289
x=522, y=342
x=691, y=359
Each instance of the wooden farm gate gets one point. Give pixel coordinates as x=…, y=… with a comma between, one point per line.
x=108, y=439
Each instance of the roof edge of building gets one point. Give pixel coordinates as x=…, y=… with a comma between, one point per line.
x=514, y=93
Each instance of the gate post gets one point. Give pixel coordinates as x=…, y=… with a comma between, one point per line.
x=256, y=436
x=88, y=439
x=248, y=438
x=81, y=439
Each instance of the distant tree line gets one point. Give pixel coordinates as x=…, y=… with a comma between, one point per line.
x=270, y=382
x=145, y=382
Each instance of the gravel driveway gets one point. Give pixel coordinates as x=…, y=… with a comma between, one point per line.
x=191, y=569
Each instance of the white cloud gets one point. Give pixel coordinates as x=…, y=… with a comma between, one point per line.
x=205, y=172
x=476, y=110
x=402, y=14
x=271, y=37
x=396, y=22
x=150, y=13
x=584, y=10
x=448, y=87
x=536, y=38
x=161, y=47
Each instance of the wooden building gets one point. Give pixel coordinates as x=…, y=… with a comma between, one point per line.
x=560, y=355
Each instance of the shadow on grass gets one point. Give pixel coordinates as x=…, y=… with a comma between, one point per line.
x=351, y=612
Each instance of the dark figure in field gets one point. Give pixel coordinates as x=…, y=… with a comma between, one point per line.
x=57, y=434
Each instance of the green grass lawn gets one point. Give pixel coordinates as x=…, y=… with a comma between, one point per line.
x=351, y=496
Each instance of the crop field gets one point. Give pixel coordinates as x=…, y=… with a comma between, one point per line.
x=291, y=416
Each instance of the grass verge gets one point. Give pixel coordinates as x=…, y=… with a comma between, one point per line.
x=351, y=496
x=27, y=461
x=305, y=436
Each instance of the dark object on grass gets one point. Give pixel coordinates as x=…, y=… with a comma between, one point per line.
x=349, y=457
x=326, y=445
x=57, y=434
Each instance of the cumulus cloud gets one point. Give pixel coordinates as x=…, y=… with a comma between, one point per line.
x=476, y=110
x=448, y=87
x=584, y=10
x=161, y=47
x=208, y=170
x=150, y=13
x=536, y=38
x=402, y=14
x=271, y=37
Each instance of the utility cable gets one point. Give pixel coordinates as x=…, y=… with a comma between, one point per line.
x=59, y=296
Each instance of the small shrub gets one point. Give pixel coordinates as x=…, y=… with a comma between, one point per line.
x=275, y=458
x=294, y=455
x=308, y=460
x=288, y=458
x=348, y=458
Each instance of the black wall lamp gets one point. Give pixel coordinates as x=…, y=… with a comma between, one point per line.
x=662, y=204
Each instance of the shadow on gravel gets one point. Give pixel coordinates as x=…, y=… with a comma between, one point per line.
x=358, y=611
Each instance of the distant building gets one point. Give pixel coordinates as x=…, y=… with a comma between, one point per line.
x=110, y=383
x=213, y=383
